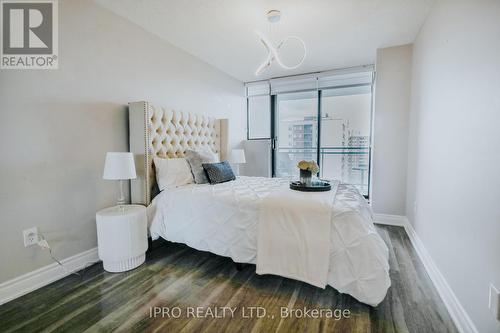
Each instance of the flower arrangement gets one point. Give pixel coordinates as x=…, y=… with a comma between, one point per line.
x=307, y=169
x=311, y=166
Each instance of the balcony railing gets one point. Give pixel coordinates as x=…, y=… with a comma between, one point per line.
x=351, y=165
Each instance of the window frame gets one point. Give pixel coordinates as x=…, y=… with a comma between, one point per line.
x=248, y=117
x=273, y=109
x=370, y=145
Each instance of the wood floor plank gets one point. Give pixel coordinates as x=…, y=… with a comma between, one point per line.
x=188, y=289
x=221, y=298
x=175, y=275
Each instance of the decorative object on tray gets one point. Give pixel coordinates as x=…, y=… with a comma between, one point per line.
x=314, y=186
x=307, y=169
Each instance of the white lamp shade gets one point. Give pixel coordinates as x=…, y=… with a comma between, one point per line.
x=119, y=166
x=237, y=156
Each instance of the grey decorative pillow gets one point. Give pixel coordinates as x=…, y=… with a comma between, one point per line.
x=219, y=172
x=195, y=159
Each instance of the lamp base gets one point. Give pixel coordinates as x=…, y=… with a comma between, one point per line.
x=121, y=199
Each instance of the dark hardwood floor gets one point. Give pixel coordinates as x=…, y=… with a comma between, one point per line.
x=177, y=278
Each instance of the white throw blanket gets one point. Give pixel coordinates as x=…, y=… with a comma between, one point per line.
x=294, y=234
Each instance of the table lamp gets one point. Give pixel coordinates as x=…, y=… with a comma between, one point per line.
x=119, y=166
x=237, y=157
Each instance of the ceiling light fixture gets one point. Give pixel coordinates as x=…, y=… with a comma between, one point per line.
x=274, y=16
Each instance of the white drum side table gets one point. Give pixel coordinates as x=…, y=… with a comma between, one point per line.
x=122, y=237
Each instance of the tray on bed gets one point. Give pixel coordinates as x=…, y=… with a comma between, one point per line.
x=316, y=186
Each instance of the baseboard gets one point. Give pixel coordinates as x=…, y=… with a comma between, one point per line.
x=457, y=312
x=31, y=281
x=387, y=219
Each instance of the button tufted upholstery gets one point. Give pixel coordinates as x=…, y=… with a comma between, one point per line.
x=166, y=133
x=172, y=132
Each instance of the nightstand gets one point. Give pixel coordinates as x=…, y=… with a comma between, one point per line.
x=122, y=237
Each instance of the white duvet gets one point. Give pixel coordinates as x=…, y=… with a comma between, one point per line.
x=224, y=218
x=294, y=234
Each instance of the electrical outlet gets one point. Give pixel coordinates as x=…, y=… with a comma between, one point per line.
x=494, y=304
x=30, y=236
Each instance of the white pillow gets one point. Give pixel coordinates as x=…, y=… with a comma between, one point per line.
x=172, y=172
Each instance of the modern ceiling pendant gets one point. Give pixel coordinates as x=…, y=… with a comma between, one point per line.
x=273, y=16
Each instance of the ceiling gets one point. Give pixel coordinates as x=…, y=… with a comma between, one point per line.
x=338, y=33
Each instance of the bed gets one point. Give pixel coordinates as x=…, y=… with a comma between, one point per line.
x=248, y=219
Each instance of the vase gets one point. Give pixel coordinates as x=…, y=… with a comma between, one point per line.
x=306, y=177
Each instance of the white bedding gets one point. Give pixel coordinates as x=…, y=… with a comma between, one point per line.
x=223, y=219
x=294, y=235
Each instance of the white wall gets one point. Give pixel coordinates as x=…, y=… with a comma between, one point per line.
x=55, y=126
x=391, y=116
x=454, y=155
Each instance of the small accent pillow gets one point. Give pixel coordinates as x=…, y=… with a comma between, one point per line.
x=219, y=172
x=195, y=159
x=172, y=172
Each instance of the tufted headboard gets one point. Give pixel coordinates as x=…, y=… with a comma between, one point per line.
x=162, y=132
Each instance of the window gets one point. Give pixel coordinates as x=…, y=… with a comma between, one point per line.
x=296, y=128
x=345, y=135
x=324, y=117
x=259, y=117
